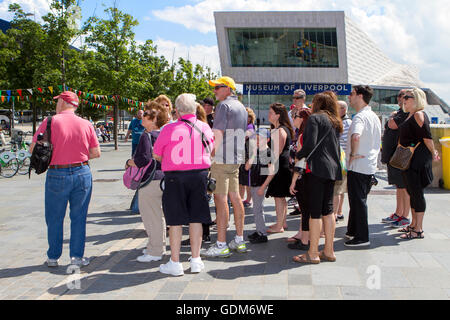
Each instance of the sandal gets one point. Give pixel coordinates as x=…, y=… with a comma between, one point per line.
x=409, y=235
x=292, y=240
x=324, y=257
x=305, y=259
x=406, y=229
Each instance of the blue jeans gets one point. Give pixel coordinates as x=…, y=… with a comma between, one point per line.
x=63, y=186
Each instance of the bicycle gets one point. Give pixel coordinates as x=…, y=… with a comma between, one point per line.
x=9, y=165
x=21, y=148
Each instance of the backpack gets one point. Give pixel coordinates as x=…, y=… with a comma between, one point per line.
x=42, y=152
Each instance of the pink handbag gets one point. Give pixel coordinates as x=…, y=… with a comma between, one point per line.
x=133, y=176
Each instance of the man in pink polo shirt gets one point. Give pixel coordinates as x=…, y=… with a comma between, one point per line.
x=69, y=178
x=185, y=160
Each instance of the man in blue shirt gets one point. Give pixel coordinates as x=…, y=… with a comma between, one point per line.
x=135, y=129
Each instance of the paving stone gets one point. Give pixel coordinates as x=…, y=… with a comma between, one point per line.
x=334, y=275
x=361, y=293
x=300, y=291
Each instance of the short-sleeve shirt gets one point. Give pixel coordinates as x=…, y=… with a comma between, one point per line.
x=181, y=148
x=136, y=129
x=231, y=118
x=71, y=136
x=368, y=126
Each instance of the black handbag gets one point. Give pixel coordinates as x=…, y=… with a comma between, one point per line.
x=43, y=151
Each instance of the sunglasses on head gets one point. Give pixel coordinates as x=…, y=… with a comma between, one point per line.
x=407, y=97
x=400, y=95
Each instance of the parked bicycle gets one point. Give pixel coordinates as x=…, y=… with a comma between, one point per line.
x=9, y=165
x=21, y=148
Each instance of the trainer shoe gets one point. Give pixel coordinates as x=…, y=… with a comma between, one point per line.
x=52, y=263
x=254, y=235
x=80, y=262
x=357, y=243
x=148, y=258
x=400, y=223
x=215, y=252
x=260, y=238
x=292, y=201
x=197, y=266
x=240, y=247
x=172, y=268
x=392, y=218
x=349, y=236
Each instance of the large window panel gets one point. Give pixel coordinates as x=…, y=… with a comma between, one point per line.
x=283, y=47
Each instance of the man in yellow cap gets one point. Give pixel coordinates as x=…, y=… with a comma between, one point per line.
x=230, y=123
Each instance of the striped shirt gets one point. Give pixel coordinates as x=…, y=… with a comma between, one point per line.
x=347, y=122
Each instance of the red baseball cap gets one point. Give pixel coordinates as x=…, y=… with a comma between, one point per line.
x=69, y=97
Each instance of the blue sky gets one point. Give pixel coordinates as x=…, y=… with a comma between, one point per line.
x=151, y=27
x=412, y=32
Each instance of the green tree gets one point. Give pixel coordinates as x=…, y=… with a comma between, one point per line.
x=111, y=38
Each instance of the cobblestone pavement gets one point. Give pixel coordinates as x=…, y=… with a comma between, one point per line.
x=389, y=269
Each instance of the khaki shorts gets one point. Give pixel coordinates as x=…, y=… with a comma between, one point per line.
x=227, y=178
x=340, y=187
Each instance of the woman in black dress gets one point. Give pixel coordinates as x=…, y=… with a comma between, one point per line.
x=279, y=182
x=415, y=132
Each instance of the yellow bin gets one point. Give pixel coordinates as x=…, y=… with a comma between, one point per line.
x=445, y=141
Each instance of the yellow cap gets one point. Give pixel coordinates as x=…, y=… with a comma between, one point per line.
x=227, y=81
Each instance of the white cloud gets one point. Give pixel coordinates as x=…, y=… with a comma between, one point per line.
x=412, y=32
x=197, y=54
x=37, y=7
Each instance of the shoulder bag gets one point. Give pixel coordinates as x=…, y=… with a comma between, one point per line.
x=402, y=157
x=43, y=151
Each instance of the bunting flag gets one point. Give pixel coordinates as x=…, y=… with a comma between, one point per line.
x=40, y=90
x=19, y=91
x=51, y=89
x=8, y=92
x=30, y=91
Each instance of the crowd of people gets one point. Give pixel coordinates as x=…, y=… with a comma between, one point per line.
x=192, y=150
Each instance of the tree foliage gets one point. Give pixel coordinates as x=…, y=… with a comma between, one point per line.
x=36, y=55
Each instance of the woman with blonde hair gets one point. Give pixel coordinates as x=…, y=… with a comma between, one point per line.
x=165, y=102
x=201, y=113
x=415, y=132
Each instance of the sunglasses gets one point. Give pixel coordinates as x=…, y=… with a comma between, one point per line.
x=300, y=97
x=146, y=114
x=218, y=87
x=401, y=95
x=408, y=97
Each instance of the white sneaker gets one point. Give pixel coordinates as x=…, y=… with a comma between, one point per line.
x=148, y=258
x=240, y=247
x=215, y=252
x=52, y=263
x=172, y=268
x=196, y=267
x=80, y=262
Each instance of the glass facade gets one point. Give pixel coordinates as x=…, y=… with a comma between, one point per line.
x=283, y=47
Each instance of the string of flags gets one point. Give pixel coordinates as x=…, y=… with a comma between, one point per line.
x=25, y=94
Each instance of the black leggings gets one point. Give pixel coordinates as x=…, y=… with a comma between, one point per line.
x=302, y=202
x=413, y=183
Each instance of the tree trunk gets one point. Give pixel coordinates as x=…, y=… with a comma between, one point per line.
x=33, y=105
x=116, y=122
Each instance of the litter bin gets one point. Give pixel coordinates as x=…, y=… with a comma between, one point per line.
x=445, y=142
